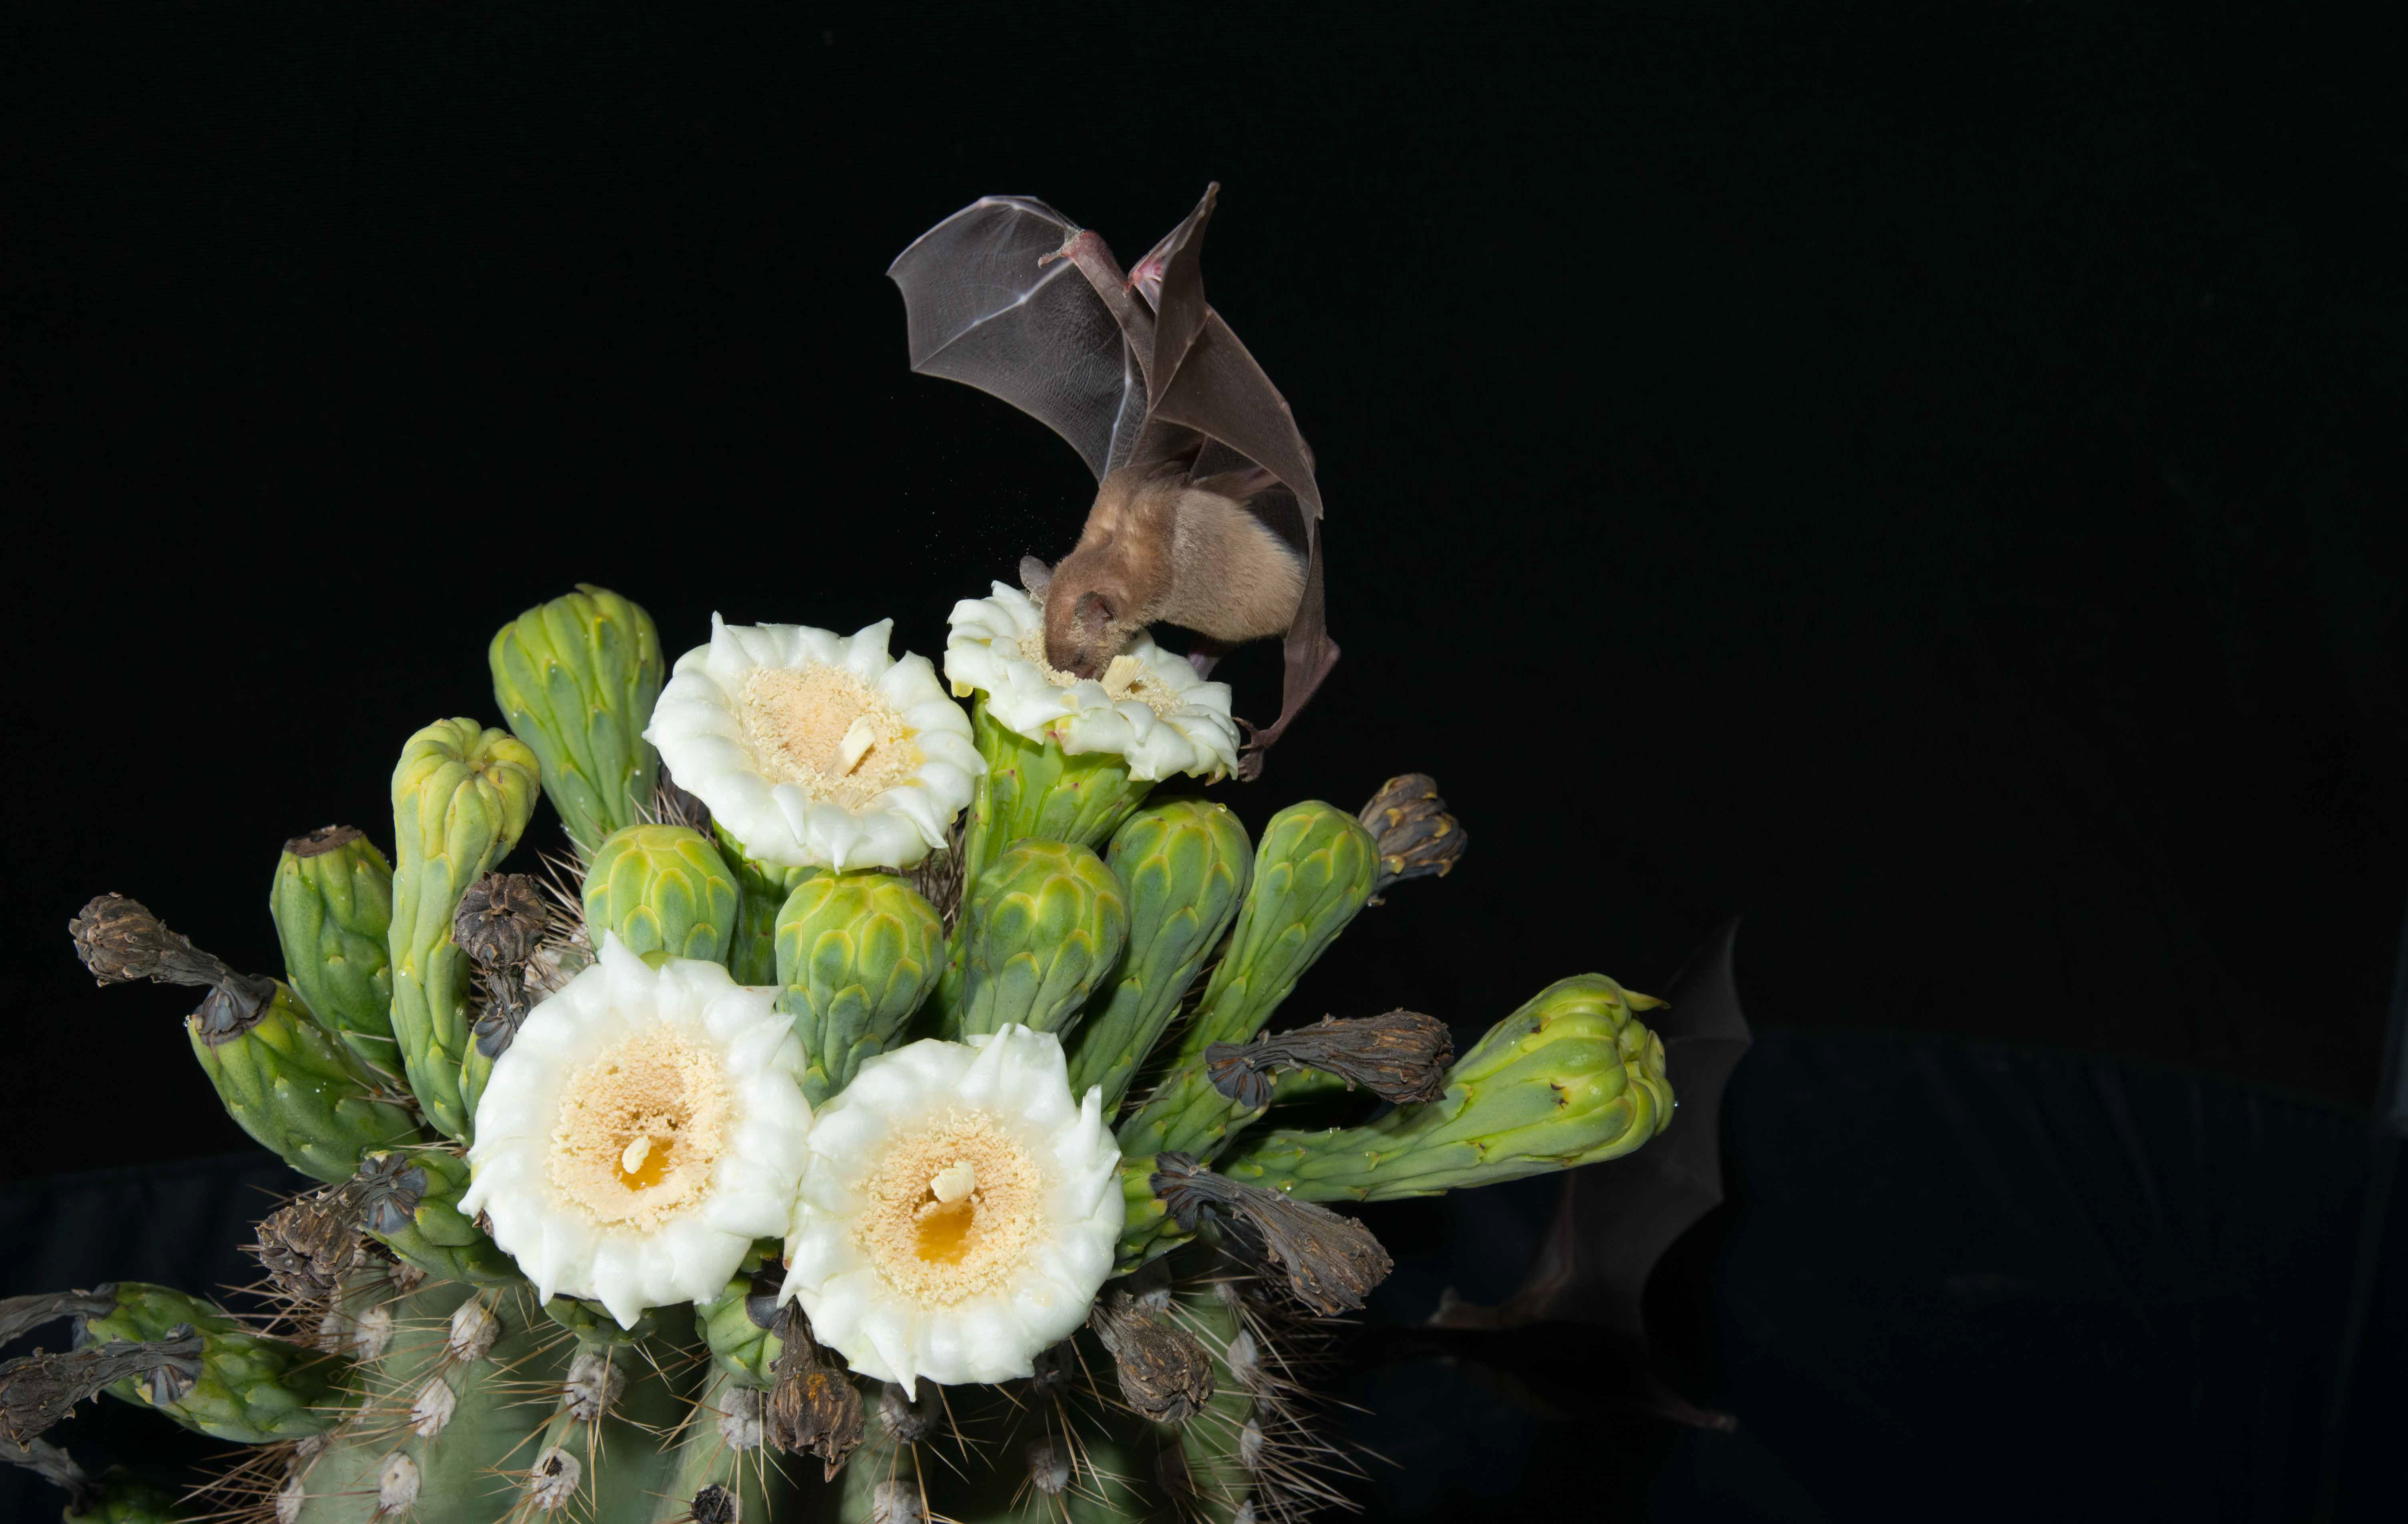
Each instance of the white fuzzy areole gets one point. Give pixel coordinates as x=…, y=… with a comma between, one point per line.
x=397, y=1482
x=474, y=1328
x=434, y=1407
x=552, y=1483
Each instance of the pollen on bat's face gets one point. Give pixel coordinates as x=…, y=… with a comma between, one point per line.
x=825, y=730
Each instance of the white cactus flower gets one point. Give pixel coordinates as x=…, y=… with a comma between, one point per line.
x=958, y=1211
x=814, y=749
x=1148, y=707
x=640, y=1132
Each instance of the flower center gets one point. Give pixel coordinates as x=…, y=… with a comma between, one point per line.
x=1126, y=678
x=823, y=730
x=951, y=1210
x=638, y=1132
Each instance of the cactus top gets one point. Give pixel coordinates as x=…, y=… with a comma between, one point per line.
x=958, y=1210
x=1148, y=707
x=643, y=1130
x=815, y=749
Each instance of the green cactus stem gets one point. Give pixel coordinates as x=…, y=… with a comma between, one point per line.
x=857, y=954
x=1184, y=866
x=762, y=891
x=253, y=1390
x=333, y=905
x=661, y=888
x=1042, y=925
x=1312, y=874
x=576, y=679
x=461, y=796
x=1570, y=1078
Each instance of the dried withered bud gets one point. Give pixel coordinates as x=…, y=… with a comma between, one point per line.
x=119, y=941
x=1165, y=1373
x=21, y=1315
x=504, y=1011
x=1403, y=1056
x=1417, y=838
x=1331, y=1263
x=812, y=1406
x=37, y=1389
x=390, y=1189
x=308, y=1242
x=714, y=1505
x=500, y=919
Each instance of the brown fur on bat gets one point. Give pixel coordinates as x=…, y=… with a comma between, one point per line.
x=1196, y=455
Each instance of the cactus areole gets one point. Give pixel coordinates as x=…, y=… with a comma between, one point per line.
x=863, y=1074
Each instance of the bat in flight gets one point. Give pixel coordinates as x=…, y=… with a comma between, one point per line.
x=1206, y=513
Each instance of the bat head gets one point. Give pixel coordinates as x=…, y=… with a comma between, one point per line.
x=1085, y=626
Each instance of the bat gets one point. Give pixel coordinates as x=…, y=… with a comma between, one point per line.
x=1206, y=512
x=1574, y=1335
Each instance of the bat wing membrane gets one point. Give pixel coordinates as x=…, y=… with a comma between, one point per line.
x=981, y=310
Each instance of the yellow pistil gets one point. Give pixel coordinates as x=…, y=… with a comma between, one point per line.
x=638, y=1132
x=951, y=1210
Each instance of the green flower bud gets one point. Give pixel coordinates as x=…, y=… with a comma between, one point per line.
x=1042, y=925
x=1184, y=865
x=461, y=795
x=1570, y=1078
x=1035, y=790
x=253, y=1390
x=576, y=679
x=857, y=954
x=1313, y=873
x=736, y=1324
x=333, y=905
x=661, y=888
x=291, y=1085
x=411, y=1206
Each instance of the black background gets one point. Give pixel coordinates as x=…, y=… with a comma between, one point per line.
x=1927, y=480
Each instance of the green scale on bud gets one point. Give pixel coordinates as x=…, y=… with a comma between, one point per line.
x=576, y=679
x=1042, y=925
x=253, y=1390
x=1570, y=1078
x=296, y=1087
x=857, y=954
x=1313, y=872
x=333, y=905
x=461, y=795
x=661, y=888
x=1184, y=866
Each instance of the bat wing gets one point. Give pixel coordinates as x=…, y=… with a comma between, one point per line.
x=1614, y=1221
x=1203, y=377
x=983, y=310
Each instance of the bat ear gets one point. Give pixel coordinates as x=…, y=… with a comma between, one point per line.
x=1093, y=606
x=1034, y=576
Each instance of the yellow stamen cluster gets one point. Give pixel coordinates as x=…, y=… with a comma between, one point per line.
x=638, y=1132
x=951, y=1210
x=825, y=730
